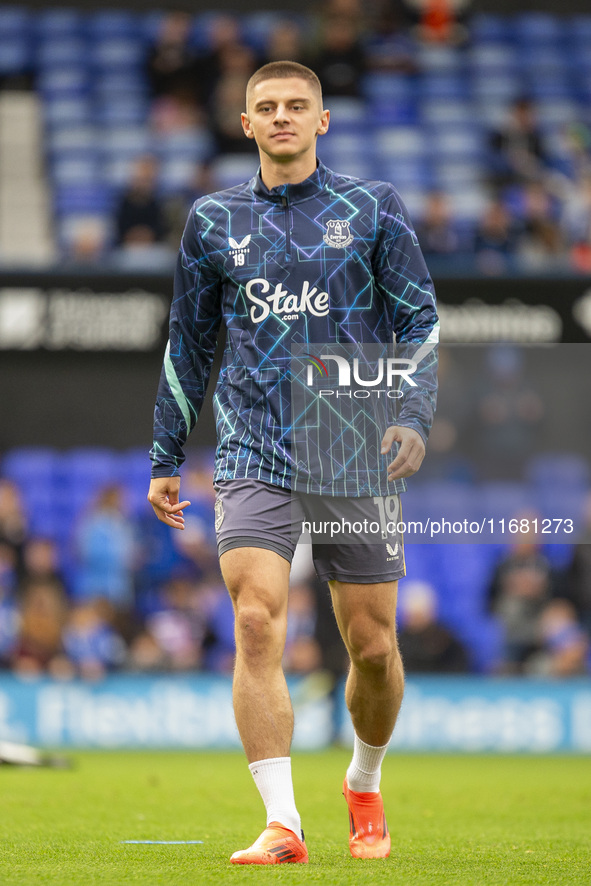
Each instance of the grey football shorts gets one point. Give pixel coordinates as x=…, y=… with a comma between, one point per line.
x=354, y=540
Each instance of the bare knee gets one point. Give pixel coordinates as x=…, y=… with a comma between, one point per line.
x=373, y=652
x=260, y=624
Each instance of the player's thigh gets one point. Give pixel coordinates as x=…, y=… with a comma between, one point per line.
x=254, y=514
x=256, y=577
x=366, y=616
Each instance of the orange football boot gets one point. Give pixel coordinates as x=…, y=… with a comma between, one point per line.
x=276, y=845
x=369, y=836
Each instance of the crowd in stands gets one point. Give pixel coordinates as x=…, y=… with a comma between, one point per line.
x=122, y=592
x=481, y=122
x=536, y=216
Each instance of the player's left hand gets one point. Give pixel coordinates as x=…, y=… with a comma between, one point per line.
x=410, y=453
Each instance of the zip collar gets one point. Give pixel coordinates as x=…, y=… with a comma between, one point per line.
x=290, y=193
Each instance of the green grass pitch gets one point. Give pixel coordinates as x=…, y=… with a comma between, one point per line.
x=459, y=820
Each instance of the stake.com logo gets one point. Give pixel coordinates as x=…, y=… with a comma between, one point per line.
x=388, y=370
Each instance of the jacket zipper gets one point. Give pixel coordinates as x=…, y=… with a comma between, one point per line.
x=285, y=204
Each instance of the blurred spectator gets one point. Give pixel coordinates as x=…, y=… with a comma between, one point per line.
x=574, y=156
x=41, y=562
x=437, y=231
x=508, y=414
x=576, y=223
x=449, y=439
x=564, y=646
x=353, y=10
x=173, y=75
x=226, y=50
x=340, y=59
x=9, y=619
x=92, y=645
x=389, y=47
x=106, y=556
x=540, y=246
x=520, y=589
x=442, y=21
x=226, y=106
x=425, y=644
x=302, y=652
x=576, y=581
x=495, y=239
x=198, y=544
x=171, y=60
x=284, y=42
x=219, y=644
x=39, y=648
x=177, y=206
x=139, y=215
x=517, y=147
x=13, y=521
x=87, y=242
x=174, y=635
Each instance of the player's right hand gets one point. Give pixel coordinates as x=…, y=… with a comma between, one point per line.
x=163, y=495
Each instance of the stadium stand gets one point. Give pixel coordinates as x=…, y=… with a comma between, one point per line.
x=426, y=128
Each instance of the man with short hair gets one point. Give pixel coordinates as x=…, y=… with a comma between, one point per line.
x=298, y=255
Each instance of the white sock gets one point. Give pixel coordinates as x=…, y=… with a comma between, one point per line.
x=365, y=769
x=273, y=779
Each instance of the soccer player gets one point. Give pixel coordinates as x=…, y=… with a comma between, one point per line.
x=299, y=254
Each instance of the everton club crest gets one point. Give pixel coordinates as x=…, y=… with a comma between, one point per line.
x=338, y=233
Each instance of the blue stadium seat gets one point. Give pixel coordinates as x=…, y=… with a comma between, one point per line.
x=71, y=111
x=457, y=177
x=406, y=173
x=493, y=58
x=195, y=144
x=113, y=23
x=123, y=53
x=92, y=198
x=400, y=141
x=56, y=23
x=64, y=140
x=176, y=175
x=548, y=86
x=468, y=205
x=443, y=86
x=258, y=25
x=503, y=499
x=490, y=29
x=453, y=112
x=15, y=55
x=82, y=169
x=450, y=501
x=553, y=112
x=504, y=87
x=577, y=30
x=538, y=28
x=125, y=141
x=554, y=503
x=466, y=142
x=117, y=171
x=61, y=82
x=203, y=25
x=438, y=59
x=30, y=466
x=91, y=467
x=67, y=50
x=485, y=639
x=233, y=169
x=150, y=24
x=130, y=110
